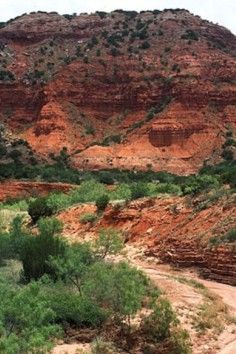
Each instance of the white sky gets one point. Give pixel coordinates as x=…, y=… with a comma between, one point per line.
x=218, y=11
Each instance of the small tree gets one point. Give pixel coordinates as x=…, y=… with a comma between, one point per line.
x=119, y=288
x=74, y=265
x=109, y=242
x=37, y=250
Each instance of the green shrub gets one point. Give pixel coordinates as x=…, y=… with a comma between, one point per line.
x=200, y=183
x=5, y=247
x=138, y=190
x=229, y=237
x=73, y=266
x=27, y=321
x=101, y=347
x=110, y=242
x=58, y=201
x=18, y=237
x=180, y=342
x=112, y=139
x=136, y=125
x=228, y=155
x=72, y=309
x=14, y=154
x=154, y=189
x=158, y=108
x=176, y=68
x=102, y=202
x=101, y=14
x=157, y=325
x=127, y=288
x=39, y=208
x=88, y=218
x=3, y=151
x=37, y=250
x=190, y=35
x=88, y=191
x=121, y=192
x=86, y=61
x=89, y=129
x=229, y=142
x=106, y=178
x=115, y=52
x=145, y=45
x=6, y=75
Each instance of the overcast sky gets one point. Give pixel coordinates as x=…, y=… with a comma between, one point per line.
x=218, y=11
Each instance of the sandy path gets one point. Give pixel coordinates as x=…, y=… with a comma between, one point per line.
x=185, y=300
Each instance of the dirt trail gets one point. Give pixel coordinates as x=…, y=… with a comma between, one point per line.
x=186, y=299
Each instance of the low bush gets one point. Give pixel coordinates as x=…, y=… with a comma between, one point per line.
x=190, y=35
x=102, y=202
x=5, y=249
x=27, y=321
x=229, y=237
x=100, y=346
x=116, y=139
x=138, y=190
x=145, y=45
x=39, y=208
x=6, y=75
x=228, y=155
x=88, y=218
x=88, y=191
x=115, y=52
x=101, y=14
x=158, y=324
x=89, y=129
x=71, y=309
x=197, y=184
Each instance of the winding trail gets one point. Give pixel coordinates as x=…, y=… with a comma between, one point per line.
x=185, y=299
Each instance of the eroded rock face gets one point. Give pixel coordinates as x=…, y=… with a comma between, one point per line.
x=76, y=82
x=170, y=230
x=169, y=133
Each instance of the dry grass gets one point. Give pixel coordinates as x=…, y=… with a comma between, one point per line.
x=212, y=314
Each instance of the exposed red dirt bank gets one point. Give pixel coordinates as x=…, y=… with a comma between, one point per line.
x=170, y=231
x=19, y=189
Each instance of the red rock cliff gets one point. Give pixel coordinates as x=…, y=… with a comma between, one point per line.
x=164, y=82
